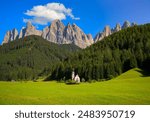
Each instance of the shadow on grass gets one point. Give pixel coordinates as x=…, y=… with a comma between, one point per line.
x=72, y=83
x=145, y=73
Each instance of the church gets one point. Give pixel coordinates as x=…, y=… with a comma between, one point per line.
x=75, y=77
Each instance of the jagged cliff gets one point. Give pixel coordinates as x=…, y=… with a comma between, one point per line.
x=57, y=32
x=108, y=31
x=10, y=36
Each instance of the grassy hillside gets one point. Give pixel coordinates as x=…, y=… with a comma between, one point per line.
x=133, y=73
x=129, y=88
x=30, y=57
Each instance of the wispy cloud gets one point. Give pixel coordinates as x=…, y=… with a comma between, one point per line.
x=42, y=14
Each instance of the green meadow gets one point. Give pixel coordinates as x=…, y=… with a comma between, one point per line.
x=129, y=88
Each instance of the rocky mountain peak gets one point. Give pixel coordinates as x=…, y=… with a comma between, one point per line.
x=69, y=25
x=56, y=21
x=89, y=36
x=29, y=30
x=75, y=27
x=7, y=37
x=61, y=34
x=68, y=29
x=14, y=34
x=126, y=24
x=57, y=32
x=117, y=28
x=45, y=32
x=57, y=24
x=107, y=31
x=29, y=24
x=10, y=36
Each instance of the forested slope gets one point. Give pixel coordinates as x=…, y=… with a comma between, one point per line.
x=123, y=50
x=30, y=57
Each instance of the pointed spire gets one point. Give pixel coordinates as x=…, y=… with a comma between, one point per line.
x=107, y=30
x=29, y=24
x=126, y=24
x=57, y=23
x=68, y=24
x=117, y=28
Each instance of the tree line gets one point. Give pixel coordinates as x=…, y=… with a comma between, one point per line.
x=108, y=58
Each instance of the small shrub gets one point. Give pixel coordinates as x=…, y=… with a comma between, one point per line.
x=82, y=80
x=35, y=80
x=101, y=80
x=110, y=77
x=91, y=81
x=61, y=81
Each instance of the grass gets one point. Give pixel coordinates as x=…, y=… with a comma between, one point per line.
x=129, y=88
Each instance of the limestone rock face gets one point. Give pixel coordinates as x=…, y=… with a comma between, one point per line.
x=80, y=38
x=57, y=32
x=14, y=34
x=117, y=28
x=107, y=31
x=126, y=24
x=98, y=37
x=7, y=37
x=29, y=30
x=89, y=36
x=25, y=31
x=10, y=36
x=68, y=34
x=45, y=32
x=60, y=34
x=22, y=32
x=54, y=33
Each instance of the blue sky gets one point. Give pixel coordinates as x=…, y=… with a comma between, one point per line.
x=93, y=14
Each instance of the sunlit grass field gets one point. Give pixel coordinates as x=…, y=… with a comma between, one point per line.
x=129, y=88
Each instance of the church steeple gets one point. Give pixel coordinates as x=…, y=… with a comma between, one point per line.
x=73, y=75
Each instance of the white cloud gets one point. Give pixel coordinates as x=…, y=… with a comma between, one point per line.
x=49, y=12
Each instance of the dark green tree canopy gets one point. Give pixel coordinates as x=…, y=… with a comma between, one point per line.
x=108, y=58
x=31, y=57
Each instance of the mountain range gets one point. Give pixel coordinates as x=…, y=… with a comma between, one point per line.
x=108, y=31
x=58, y=33
x=33, y=56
